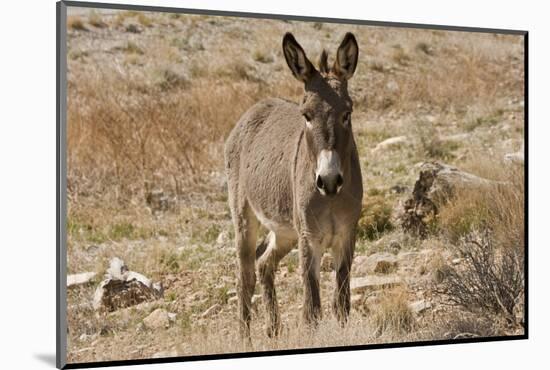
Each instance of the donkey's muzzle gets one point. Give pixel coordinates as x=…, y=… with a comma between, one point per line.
x=328, y=175
x=329, y=184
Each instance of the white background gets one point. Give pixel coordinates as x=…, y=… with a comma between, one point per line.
x=27, y=183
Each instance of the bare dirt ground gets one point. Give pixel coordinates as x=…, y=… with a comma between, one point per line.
x=151, y=99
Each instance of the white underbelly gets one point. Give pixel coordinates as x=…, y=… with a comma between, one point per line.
x=281, y=229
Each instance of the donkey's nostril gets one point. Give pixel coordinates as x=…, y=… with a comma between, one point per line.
x=339, y=180
x=319, y=182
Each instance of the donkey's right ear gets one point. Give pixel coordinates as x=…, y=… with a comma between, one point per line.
x=296, y=59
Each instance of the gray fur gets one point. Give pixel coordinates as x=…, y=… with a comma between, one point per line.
x=271, y=160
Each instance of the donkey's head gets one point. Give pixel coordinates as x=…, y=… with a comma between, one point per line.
x=326, y=108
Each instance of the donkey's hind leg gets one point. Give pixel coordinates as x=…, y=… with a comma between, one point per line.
x=268, y=261
x=246, y=234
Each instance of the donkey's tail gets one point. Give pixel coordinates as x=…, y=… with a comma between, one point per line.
x=262, y=246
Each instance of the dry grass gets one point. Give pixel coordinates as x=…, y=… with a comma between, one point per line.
x=75, y=23
x=94, y=18
x=393, y=313
x=130, y=142
x=498, y=207
x=144, y=20
x=485, y=227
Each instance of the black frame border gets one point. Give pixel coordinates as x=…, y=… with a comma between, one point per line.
x=61, y=193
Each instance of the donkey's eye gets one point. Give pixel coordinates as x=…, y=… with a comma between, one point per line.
x=347, y=118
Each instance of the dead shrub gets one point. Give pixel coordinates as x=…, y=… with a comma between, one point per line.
x=489, y=281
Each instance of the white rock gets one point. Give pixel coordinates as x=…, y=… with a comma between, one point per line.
x=163, y=354
x=116, y=269
x=132, y=275
x=456, y=137
x=516, y=158
x=80, y=279
x=383, y=263
x=359, y=260
x=392, y=86
x=378, y=263
x=419, y=306
x=157, y=319
x=327, y=263
x=375, y=282
x=86, y=338
x=390, y=143
x=122, y=288
x=223, y=239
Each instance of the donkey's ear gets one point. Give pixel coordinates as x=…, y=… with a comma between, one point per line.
x=296, y=59
x=346, y=57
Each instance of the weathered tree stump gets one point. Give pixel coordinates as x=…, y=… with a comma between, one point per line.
x=436, y=184
x=122, y=288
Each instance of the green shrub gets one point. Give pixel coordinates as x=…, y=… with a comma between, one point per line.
x=375, y=218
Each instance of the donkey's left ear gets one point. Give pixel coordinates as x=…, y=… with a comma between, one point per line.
x=346, y=57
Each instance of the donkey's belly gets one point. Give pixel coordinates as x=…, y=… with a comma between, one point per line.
x=270, y=197
x=281, y=226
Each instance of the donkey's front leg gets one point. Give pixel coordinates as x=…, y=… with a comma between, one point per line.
x=343, y=257
x=310, y=261
x=277, y=248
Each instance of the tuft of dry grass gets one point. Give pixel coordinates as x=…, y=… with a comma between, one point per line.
x=425, y=48
x=262, y=57
x=400, y=56
x=432, y=146
x=76, y=24
x=94, y=18
x=144, y=20
x=393, y=313
x=498, y=207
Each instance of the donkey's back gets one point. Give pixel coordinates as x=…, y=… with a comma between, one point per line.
x=258, y=158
